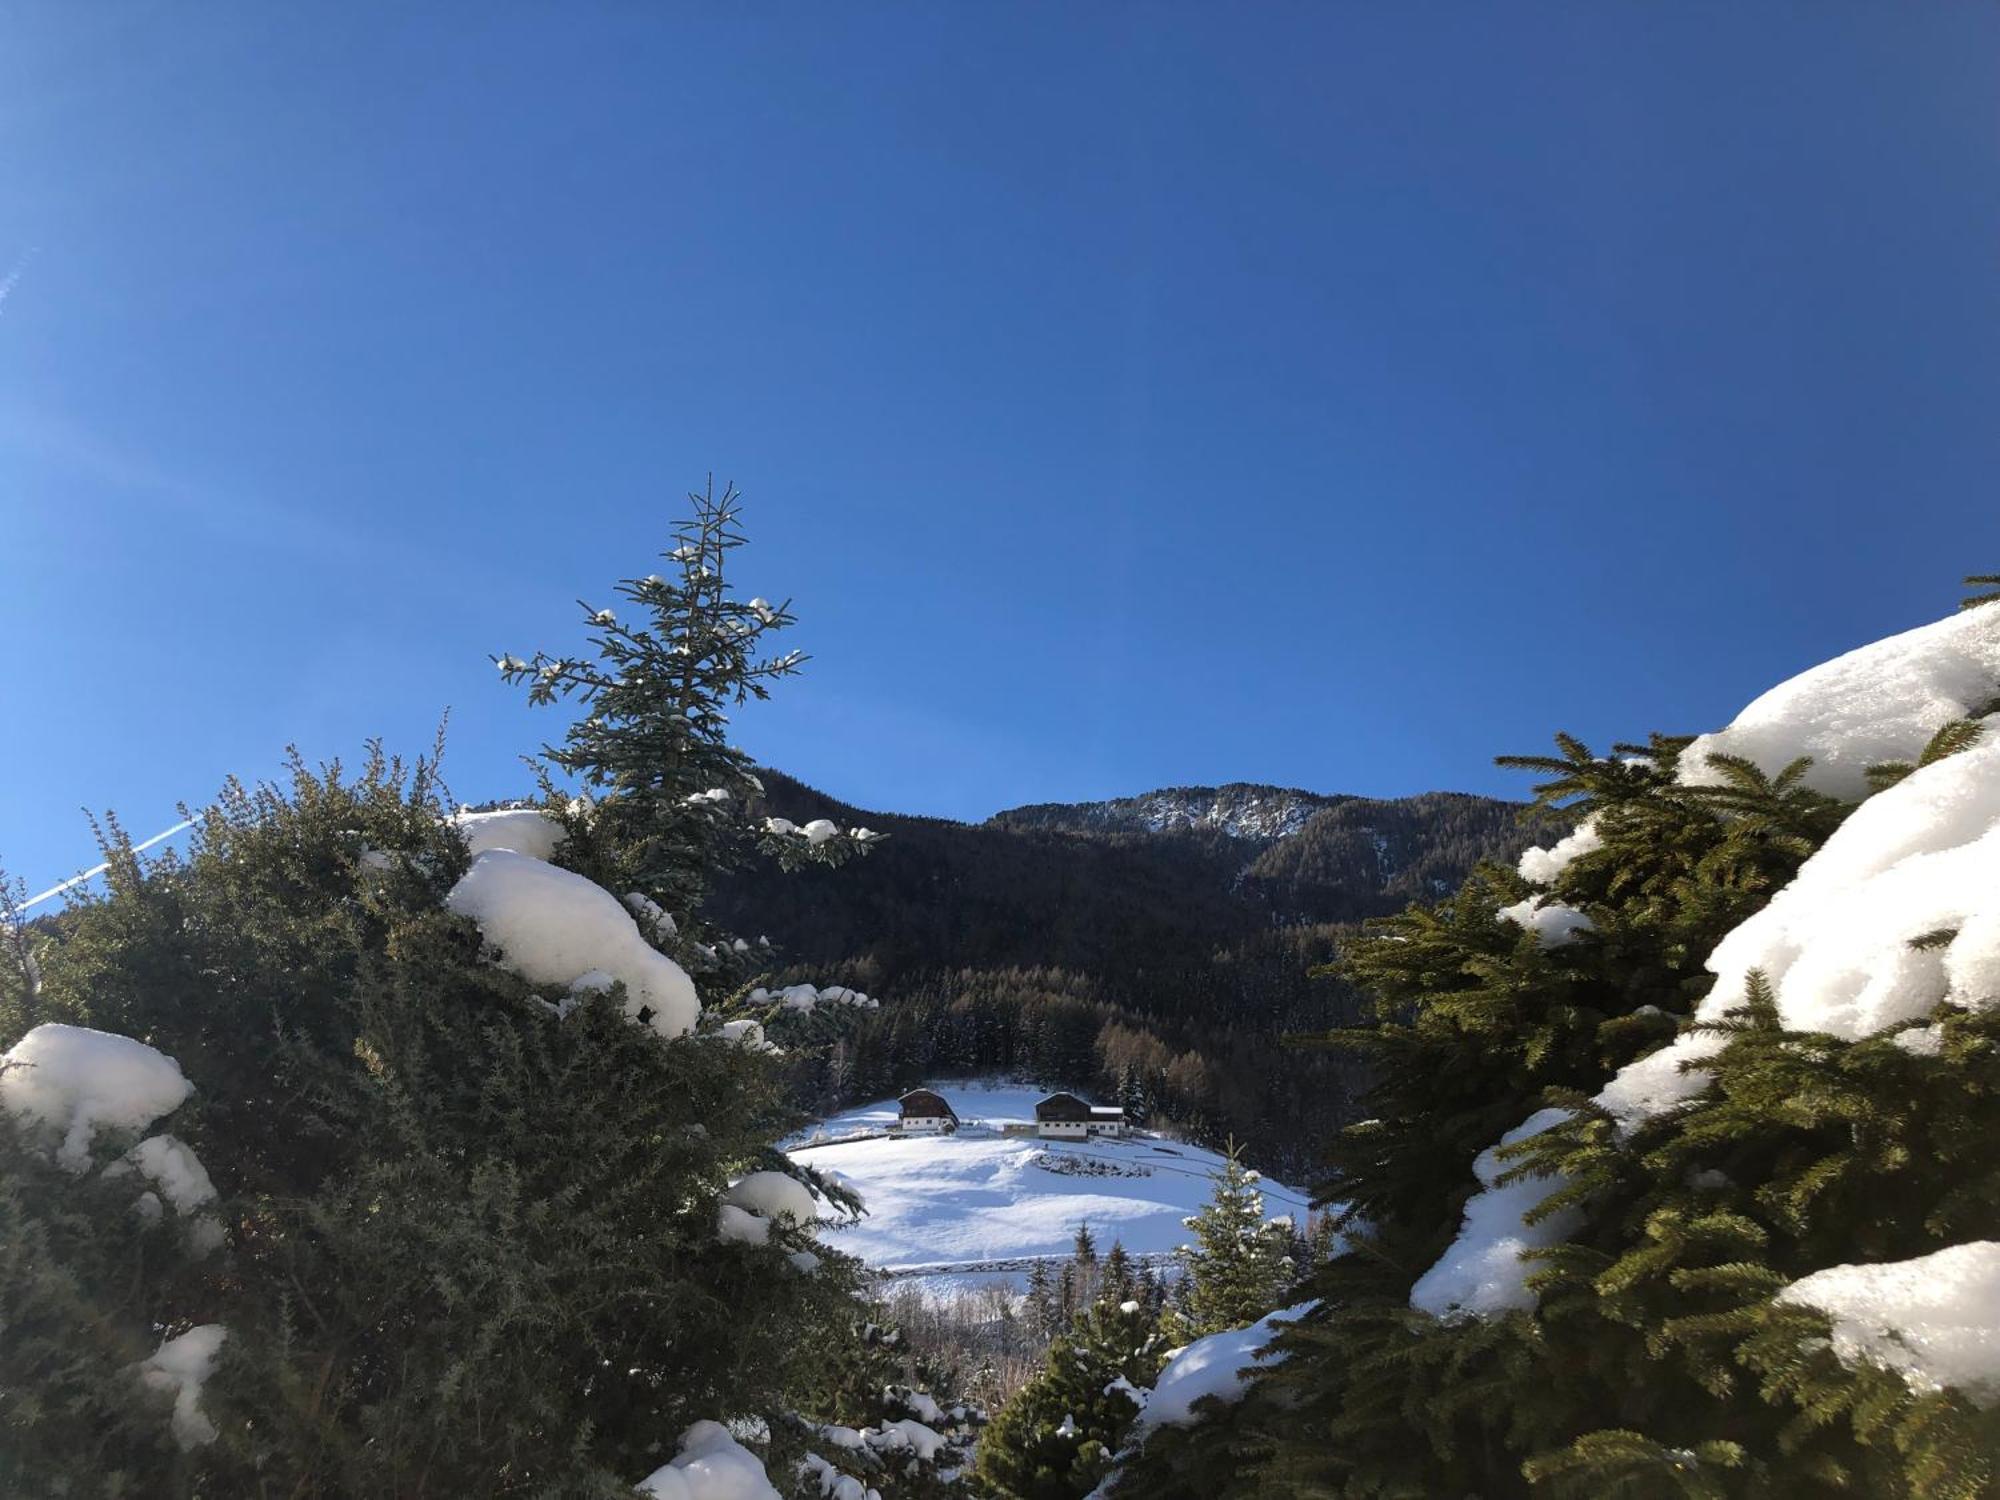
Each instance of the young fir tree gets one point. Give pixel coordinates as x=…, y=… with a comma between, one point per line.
x=1652, y=1358
x=887, y=1420
x=1055, y=1439
x=1240, y=1263
x=665, y=788
x=455, y=1245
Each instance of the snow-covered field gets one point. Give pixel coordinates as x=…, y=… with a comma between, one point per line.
x=953, y=1212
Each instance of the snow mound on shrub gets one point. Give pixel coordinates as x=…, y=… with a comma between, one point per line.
x=1659, y=1081
x=77, y=1081
x=1920, y=860
x=1880, y=702
x=182, y=1365
x=1482, y=1274
x=175, y=1170
x=522, y=829
x=1543, y=865
x=1552, y=923
x=1934, y=1320
x=774, y=1195
x=711, y=1465
x=552, y=926
x=1217, y=1366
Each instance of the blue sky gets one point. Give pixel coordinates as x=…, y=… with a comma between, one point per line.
x=1332, y=395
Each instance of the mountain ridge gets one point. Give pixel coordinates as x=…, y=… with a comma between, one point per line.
x=1241, y=809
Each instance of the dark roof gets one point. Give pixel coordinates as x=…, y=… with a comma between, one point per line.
x=1062, y=1107
x=926, y=1104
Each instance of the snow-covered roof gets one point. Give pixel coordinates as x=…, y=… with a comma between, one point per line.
x=1062, y=1106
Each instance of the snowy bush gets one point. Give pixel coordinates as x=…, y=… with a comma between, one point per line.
x=1743, y=1132
x=459, y=1246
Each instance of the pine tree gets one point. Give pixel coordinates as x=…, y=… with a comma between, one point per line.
x=1117, y=1280
x=1239, y=1264
x=1055, y=1439
x=1133, y=1095
x=1654, y=1358
x=665, y=787
x=911, y=1434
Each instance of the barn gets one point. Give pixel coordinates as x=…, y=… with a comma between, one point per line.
x=1066, y=1117
x=926, y=1112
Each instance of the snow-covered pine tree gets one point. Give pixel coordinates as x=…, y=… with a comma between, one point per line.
x=454, y=1201
x=887, y=1422
x=665, y=787
x=1240, y=1263
x=1744, y=1137
x=1054, y=1440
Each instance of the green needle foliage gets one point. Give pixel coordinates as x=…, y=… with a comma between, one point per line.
x=469, y=1248
x=1239, y=1265
x=1657, y=1361
x=1055, y=1439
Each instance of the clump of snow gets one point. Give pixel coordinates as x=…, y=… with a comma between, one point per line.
x=1921, y=1041
x=733, y=1223
x=806, y=998
x=1552, y=923
x=774, y=1195
x=171, y=1167
x=522, y=829
x=552, y=926
x=76, y=1081
x=1919, y=860
x=920, y=1404
x=177, y=1173
x=905, y=1435
x=1881, y=702
x=1934, y=1320
x=715, y=796
x=834, y=1485
x=653, y=919
x=745, y=1034
x=1217, y=1366
x=753, y=1203
x=182, y=1365
x=818, y=831
x=804, y=1262
x=1659, y=1081
x=1839, y=945
x=1482, y=1274
x=1543, y=865
x=711, y=1465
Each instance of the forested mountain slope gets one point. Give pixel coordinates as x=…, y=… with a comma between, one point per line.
x=1119, y=889
x=1160, y=947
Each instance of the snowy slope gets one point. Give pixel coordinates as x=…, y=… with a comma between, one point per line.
x=952, y=1212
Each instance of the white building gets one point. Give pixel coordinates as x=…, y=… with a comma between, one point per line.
x=926, y=1112
x=1064, y=1117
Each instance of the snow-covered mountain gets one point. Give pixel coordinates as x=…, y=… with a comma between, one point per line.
x=1242, y=809
x=951, y=1212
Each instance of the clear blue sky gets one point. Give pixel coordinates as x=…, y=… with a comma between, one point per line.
x=1330, y=394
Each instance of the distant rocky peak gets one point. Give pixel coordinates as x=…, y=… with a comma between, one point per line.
x=1240, y=809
